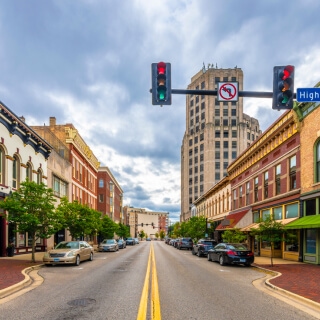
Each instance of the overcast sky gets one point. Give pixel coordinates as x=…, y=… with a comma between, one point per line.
x=89, y=62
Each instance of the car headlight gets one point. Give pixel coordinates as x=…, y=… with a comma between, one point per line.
x=71, y=254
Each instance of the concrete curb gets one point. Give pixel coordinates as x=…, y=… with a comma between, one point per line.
x=22, y=284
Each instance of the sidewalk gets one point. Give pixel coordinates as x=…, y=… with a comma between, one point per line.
x=298, y=278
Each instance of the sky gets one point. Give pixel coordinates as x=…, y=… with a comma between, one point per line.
x=88, y=62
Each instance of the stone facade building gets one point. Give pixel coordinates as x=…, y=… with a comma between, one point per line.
x=216, y=133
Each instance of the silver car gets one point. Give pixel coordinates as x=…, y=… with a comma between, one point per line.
x=69, y=252
x=108, y=245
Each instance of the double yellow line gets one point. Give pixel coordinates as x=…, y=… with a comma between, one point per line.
x=155, y=301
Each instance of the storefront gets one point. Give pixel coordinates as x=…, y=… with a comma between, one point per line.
x=309, y=228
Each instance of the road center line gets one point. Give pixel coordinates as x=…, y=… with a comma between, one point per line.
x=155, y=301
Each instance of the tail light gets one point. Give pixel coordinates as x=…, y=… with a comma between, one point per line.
x=232, y=253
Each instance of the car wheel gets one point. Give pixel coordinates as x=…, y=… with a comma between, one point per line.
x=77, y=263
x=91, y=256
x=208, y=257
x=199, y=254
x=248, y=264
x=221, y=260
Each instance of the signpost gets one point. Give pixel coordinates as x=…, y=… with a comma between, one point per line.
x=308, y=94
x=228, y=91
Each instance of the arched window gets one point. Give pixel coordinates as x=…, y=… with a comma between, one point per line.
x=318, y=161
x=15, y=172
x=39, y=176
x=29, y=171
x=2, y=166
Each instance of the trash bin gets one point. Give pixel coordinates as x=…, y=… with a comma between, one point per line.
x=10, y=251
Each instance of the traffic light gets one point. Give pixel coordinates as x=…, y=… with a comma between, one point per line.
x=152, y=223
x=142, y=224
x=283, y=84
x=161, y=83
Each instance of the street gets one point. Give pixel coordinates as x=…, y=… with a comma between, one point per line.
x=112, y=286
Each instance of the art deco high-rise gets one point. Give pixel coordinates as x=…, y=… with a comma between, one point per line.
x=216, y=133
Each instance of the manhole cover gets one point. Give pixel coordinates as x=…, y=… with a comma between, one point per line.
x=81, y=302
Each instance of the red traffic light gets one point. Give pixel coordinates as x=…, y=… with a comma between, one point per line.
x=283, y=83
x=161, y=68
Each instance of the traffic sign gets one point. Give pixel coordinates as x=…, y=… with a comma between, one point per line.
x=308, y=94
x=228, y=91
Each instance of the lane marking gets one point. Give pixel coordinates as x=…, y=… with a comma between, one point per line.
x=142, y=313
x=155, y=300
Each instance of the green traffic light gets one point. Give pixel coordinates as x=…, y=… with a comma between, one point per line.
x=162, y=93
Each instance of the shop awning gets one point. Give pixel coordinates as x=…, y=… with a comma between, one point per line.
x=256, y=225
x=308, y=222
x=231, y=221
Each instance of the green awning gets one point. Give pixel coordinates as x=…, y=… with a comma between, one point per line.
x=308, y=222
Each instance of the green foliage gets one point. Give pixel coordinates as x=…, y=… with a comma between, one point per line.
x=234, y=236
x=156, y=235
x=272, y=231
x=141, y=234
x=162, y=234
x=31, y=207
x=123, y=231
x=108, y=228
x=79, y=219
x=194, y=228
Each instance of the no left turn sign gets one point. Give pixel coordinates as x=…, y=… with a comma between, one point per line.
x=228, y=91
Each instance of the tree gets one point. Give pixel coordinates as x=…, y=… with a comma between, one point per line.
x=123, y=231
x=142, y=234
x=31, y=207
x=271, y=231
x=156, y=235
x=108, y=227
x=196, y=228
x=162, y=234
x=233, y=236
x=79, y=219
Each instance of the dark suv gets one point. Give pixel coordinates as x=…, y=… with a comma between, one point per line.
x=184, y=243
x=202, y=247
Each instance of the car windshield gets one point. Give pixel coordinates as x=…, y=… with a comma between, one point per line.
x=208, y=243
x=68, y=245
x=238, y=246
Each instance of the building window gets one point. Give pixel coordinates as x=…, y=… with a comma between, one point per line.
x=225, y=134
x=217, y=165
x=234, y=144
x=233, y=122
x=100, y=198
x=217, y=134
x=234, y=154
x=247, y=193
x=234, y=198
x=101, y=183
x=29, y=171
x=292, y=173
x=265, y=184
x=2, y=162
x=277, y=213
x=240, y=196
x=201, y=146
x=225, y=122
x=217, y=176
x=225, y=112
x=256, y=186
x=217, y=112
x=225, y=155
x=233, y=112
x=318, y=162
x=190, y=142
x=234, y=134
x=278, y=179
x=292, y=210
x=15, y=172
x=217, y=122
x=39, y=176
x=225, y=165
x=59, y=187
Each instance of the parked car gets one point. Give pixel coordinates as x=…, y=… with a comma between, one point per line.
x=122, y=244
x=167, y=240
x=202, y=246
x=108, y=245
x=231, y=253
x=184, y=243
x=148, y=239
x=130, y=241
x=136, y=240
x=69, y=252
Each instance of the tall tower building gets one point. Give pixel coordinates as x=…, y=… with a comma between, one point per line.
x=216, y=133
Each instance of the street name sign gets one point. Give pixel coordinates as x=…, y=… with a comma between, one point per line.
x=308, y=94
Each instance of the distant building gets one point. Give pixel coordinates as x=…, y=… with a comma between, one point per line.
x=110, y=195
x=216, y=133
x=84, y=163
x=151, y=222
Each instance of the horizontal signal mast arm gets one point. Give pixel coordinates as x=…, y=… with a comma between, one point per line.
x=249, y=94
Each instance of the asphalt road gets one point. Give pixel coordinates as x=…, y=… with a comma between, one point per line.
x=110, y=287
